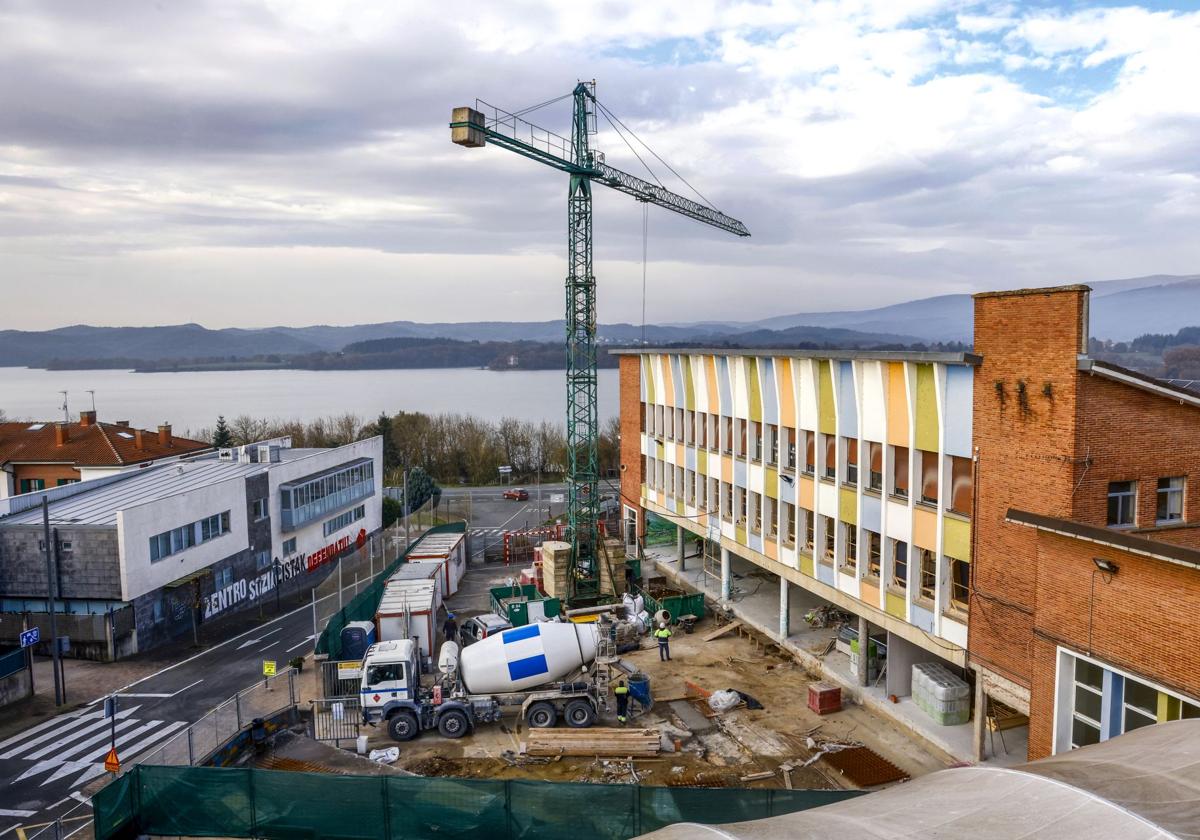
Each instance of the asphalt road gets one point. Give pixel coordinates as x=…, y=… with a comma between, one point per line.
x=43, y=767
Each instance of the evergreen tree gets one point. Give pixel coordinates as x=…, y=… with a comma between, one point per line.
x=391, y=453
x=221, y=436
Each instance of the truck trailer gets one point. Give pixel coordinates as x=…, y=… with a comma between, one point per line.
x=546, y=670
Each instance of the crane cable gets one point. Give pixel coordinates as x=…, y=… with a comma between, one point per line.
x=645, y=241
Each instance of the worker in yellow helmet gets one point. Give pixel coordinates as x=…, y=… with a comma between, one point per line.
x=663, y=636
x=622, y=692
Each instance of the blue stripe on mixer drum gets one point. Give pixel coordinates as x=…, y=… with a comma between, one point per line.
x=516, y=635
x=530, y=667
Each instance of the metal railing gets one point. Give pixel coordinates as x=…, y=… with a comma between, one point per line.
x=197, y=743
x=12, y=662
x=337, y=719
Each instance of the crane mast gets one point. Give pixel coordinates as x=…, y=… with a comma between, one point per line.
x=476, y=127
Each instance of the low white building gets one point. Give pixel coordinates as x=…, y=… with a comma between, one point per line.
x=142, y=555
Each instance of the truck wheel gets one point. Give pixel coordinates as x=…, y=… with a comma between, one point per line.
x=453, y=724
x=542, y=715
x=579, y=714
x=402, y=726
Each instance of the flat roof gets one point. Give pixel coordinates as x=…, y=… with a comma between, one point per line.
x=832, y=355
x=97, y=501
x=1135, y=379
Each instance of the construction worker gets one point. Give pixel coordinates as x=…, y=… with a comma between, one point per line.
x=450, y=628
x=663, y=635
x=622, y=693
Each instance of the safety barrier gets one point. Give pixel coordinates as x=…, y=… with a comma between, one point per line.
x=12, y=662
x=246, y=802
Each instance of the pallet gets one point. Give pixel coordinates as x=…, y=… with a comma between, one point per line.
x=1002, y=717
x=612, y=743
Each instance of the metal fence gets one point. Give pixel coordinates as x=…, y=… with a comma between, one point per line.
x=337, y=719
x=197, y=743
x=340, y=678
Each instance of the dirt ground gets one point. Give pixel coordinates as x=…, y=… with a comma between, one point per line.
x=715, y=751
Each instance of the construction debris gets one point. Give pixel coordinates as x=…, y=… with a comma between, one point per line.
x=598, y=742
x=757, y=777
x=721, y=631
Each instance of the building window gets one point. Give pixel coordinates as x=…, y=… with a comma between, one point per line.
x=643, y=418
x=701, y=430
x=727, y=443
x=1141, y=705
x=900, y=564
x=810, y=453
x=289, y=547
x=1170, y=500
x=1122, y=503
x=875, y=455
x=30, y=485
x=659, y=425
x=928, y=574
x=810, y=526
x=679, y=427
x=827, y=531
x=63, y=482
x=960, y=583
x=313, y=497
x=714, y=429
x=900, y=471
x=874, y=553
x=742, y=503
x=157, y=612
x=930, y=467
x=223, y=578
x=830, y=456
x=185, y=536
x=791, y=450
x=690, y=485
x=689, y=426
x=740, y=440
x=772, y=445
x=772, y=517
x=852, y=461
x=343, y=519
x=260, y=509
x=756, y=445
x=789, y=522
x=262, y=560
x=850, y=534
x=726, y=501
x=1089, y=699
x=714, y=496
x=960, y=485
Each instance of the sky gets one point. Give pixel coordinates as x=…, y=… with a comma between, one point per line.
x=269, y=162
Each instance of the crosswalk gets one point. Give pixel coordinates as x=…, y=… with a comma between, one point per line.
x=74, y=746
x=487, y=533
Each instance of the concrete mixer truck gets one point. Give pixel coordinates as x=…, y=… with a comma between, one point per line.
x=547, y=670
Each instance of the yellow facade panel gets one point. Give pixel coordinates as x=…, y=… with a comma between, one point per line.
x=926, y=410
x=827, y=412
x=956, y=538
x=896, y=606
x=848, y=506
x=806, y=564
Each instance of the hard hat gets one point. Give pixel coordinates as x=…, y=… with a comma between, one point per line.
x=449, y=615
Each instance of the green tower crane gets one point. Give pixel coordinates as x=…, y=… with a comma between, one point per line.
x=483, y=124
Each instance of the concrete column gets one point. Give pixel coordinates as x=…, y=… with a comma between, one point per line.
x=864, y=658
x=679, y=542
x=978, y=728
x=784, y=609
x=726, y=581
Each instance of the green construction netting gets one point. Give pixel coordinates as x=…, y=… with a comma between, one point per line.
x=659, y=531
x=243, y=802
x=362, y=607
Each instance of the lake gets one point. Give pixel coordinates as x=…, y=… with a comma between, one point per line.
x=193, y=400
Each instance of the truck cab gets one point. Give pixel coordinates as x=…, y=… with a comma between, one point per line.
x=391, y=693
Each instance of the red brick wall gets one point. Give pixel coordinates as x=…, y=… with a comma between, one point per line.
x=1133, y=435
x=1131, y=621
x=630, y=394
x=50, y=473
x=1026, y=443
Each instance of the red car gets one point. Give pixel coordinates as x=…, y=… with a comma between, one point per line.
x=518, y=494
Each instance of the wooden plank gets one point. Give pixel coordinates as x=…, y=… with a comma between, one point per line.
x=605, y=742
x=721, y=631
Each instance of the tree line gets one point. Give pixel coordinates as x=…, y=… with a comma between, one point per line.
x=452, y=448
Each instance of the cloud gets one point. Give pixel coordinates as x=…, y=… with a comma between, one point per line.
x=249, y=162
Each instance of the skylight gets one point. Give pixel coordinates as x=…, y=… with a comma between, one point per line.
x=125, y=435
x=35, y=427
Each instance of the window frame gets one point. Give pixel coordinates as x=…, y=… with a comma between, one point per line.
x=1122, y=497
x=1169, y=494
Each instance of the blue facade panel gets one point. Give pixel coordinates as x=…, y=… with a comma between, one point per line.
x=922, y=618
x=847, y=405
x=825, y=574
x=770, y=399
x=960, y=382
x=872, y=513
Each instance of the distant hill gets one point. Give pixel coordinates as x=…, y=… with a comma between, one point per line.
x=1121, y=310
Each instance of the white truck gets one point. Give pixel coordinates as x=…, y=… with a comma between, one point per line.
x=548, y=670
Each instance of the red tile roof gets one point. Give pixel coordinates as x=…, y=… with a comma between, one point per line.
x=95, y=445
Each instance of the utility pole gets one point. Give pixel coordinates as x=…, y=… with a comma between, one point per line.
x=54, y=654
x=405, y=510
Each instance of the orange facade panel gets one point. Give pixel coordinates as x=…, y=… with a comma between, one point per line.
x=897, y=405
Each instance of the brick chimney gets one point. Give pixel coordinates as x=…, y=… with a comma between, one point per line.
x=61, y=434
x=124, y=423
x=164, y=434
x=87, y=418
x=139, y=439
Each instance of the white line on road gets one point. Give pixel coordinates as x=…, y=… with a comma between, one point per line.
x=172, y=694
x=15, y=812
x=272, y=644
x=307, y=639
x=25, y=733
x=79, y=797
x=249, y=642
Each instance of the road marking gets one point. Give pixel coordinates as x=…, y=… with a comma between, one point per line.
x=307, y=639
x=62, y=750
x=25, y=733
x=172, y=694
x=249, y=642
x=79, y=797
x=271, y=645
x=15, y=812
x=96, y=721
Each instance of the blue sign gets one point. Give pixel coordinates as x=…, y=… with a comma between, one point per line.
x=30, y=637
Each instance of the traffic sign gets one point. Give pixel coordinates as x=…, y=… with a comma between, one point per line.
x=268, y=667
x=505, y=470
x=111, y=763
x=557, y=498
x=30, y=637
